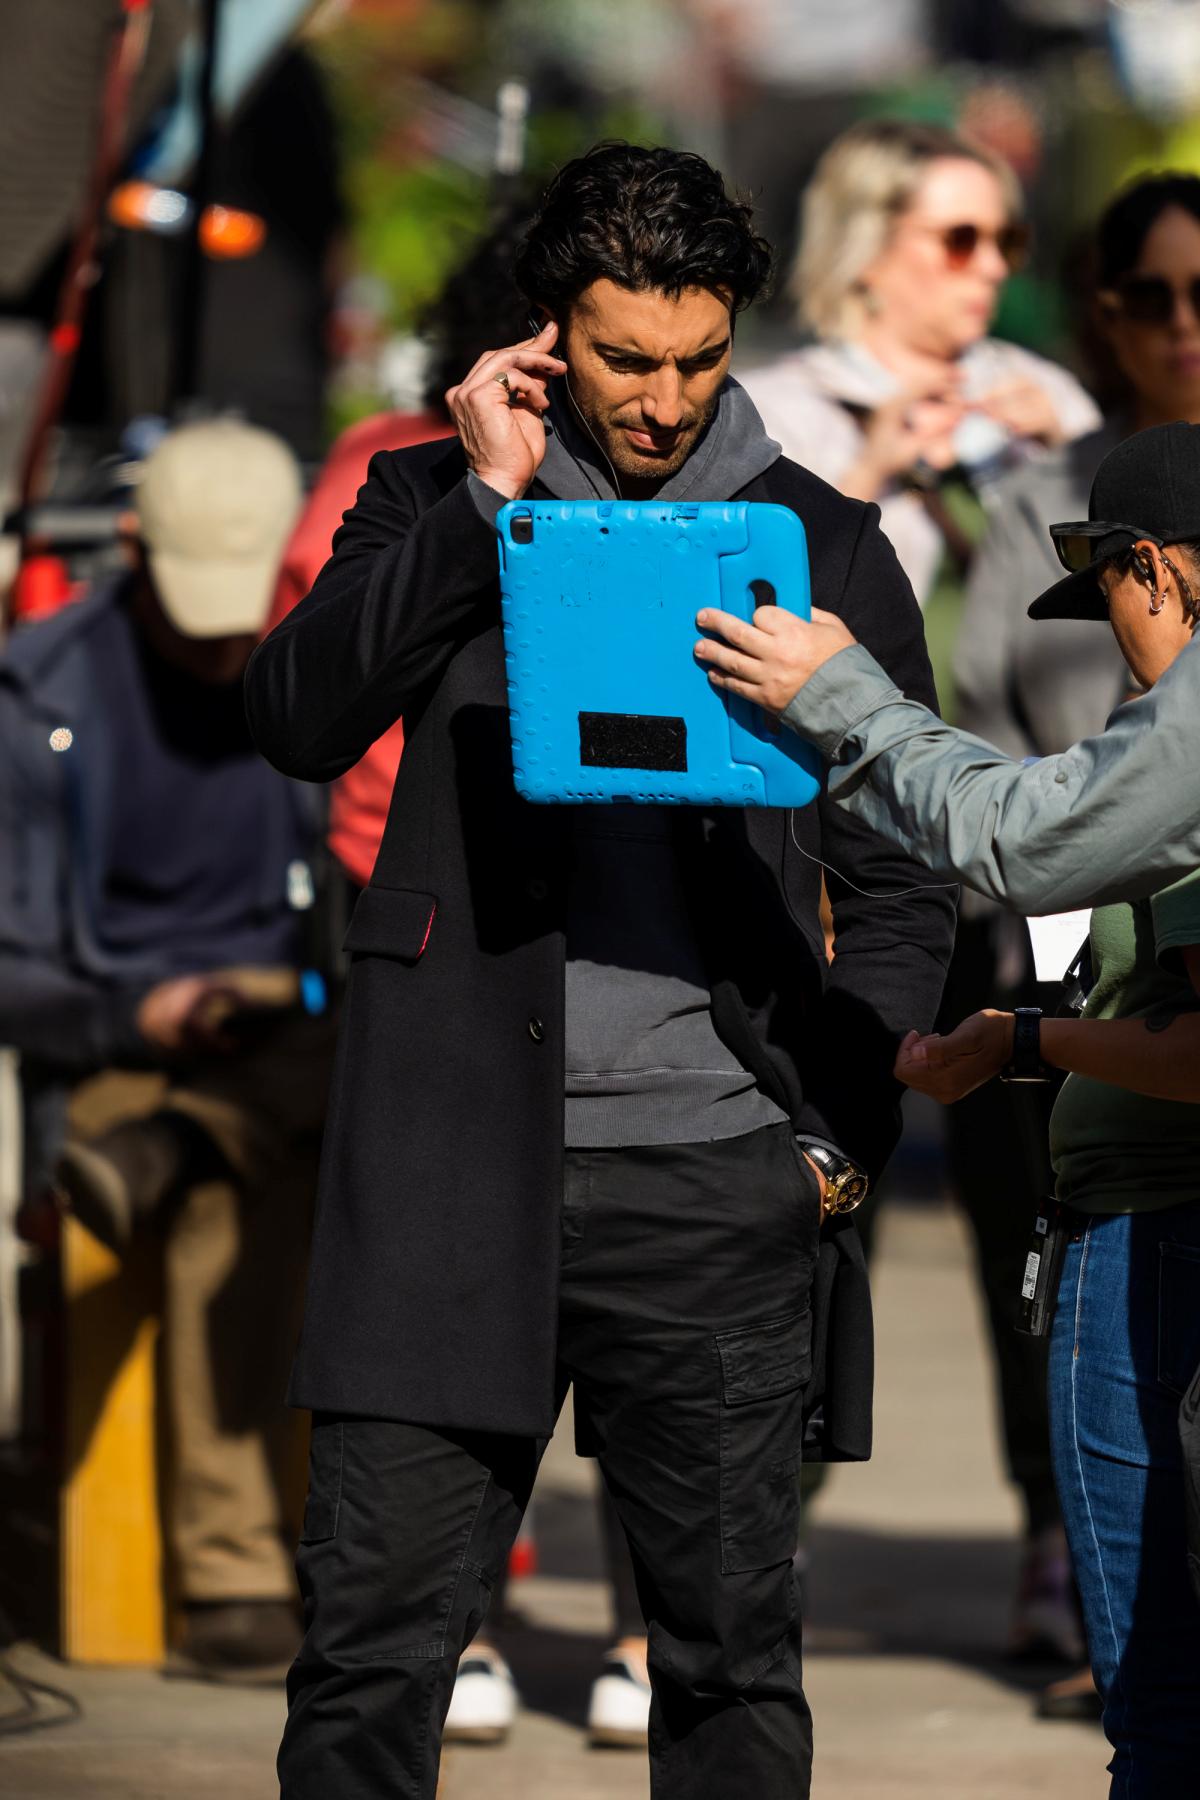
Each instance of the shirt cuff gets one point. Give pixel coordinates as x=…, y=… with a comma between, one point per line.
x=122, y=1034
x=487, y=501
x=843, y=692
x=822, y=1143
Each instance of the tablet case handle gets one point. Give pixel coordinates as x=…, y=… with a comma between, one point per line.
x=775, y=541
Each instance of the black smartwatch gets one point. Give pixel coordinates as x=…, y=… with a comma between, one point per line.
x=1025, y=1063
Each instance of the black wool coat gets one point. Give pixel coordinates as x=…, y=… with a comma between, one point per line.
x=433, y=1284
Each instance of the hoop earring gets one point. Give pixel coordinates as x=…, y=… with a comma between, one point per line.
x=1161, y=598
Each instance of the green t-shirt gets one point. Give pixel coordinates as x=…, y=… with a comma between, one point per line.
x=1115, y=1151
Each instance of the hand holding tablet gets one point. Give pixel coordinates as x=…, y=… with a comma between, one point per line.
x=768, y=658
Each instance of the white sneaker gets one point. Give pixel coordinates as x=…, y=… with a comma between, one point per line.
x=619, y=1710
x=484, y=1702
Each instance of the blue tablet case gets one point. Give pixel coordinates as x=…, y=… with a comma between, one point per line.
x=607, y=701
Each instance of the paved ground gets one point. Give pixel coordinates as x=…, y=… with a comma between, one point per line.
x=912, y=1565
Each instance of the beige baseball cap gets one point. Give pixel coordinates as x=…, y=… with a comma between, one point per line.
x=216, y=504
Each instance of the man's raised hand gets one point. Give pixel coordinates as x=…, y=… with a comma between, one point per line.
x=500, y=422
x=769, y=659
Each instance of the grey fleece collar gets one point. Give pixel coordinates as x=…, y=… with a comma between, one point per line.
x=733, y=451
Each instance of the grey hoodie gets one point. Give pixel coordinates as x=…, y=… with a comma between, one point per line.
x=644, y=1064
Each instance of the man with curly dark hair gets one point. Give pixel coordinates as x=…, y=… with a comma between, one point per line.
x=600, y=1100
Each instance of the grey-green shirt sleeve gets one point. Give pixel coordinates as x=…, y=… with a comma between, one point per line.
x=1114, y=817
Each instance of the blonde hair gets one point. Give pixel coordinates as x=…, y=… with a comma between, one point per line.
x=861, y=185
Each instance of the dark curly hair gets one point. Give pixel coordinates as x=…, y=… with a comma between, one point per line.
x=651, y=220
x=1127, y=221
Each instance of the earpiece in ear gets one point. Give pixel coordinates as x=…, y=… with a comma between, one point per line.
x=1146, y=572
x=537, y=326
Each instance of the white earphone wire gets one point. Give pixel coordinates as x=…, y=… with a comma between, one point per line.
x=579, y=413
x=924, y=887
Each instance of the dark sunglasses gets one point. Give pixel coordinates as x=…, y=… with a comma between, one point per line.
x=961, y=242
x=1075, y=545
x=1150, y=299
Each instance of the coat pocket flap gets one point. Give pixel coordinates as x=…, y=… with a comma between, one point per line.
x=391, y=922
x=769, y=1358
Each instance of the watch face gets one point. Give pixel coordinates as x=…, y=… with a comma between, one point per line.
x=851, y=1192
x=845, y=1185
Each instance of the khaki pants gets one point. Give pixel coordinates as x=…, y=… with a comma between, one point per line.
x=233, y=1261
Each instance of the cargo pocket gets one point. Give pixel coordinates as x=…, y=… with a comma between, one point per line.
x=763, y=1371
x=1178, y=1315
x=324, y=1481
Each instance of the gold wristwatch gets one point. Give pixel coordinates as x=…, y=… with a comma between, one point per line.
x=846, y=1185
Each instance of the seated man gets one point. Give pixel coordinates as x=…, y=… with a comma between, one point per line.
x=580, y=1044
x=150, y=949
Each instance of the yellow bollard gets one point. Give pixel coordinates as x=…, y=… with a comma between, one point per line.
x=111, y=1555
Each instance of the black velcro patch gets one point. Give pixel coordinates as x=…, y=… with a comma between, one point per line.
x=632, y=741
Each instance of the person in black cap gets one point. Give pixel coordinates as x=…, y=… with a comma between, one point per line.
x=1125, y=1142
x=1153, y=479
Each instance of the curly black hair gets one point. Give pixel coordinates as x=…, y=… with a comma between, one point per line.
x=651, y=220
x=1127, y=221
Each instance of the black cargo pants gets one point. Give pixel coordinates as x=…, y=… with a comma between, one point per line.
x=684, y=1328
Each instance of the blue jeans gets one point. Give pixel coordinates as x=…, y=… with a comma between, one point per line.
x=1124, y=1347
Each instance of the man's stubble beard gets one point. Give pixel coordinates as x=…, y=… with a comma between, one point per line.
x=628, y=461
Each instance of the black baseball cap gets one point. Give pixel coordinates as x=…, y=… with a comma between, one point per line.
x=1148, y=487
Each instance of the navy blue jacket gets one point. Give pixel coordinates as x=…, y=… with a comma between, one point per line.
x=65, y=999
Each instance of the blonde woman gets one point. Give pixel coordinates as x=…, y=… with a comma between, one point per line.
x=909, y=233
x=1125, y=1143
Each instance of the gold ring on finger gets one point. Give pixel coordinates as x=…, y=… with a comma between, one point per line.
x=502, y=378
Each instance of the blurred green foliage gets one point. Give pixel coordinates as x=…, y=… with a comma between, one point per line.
x=411, y=225
x=411, y=213
x=414, y=213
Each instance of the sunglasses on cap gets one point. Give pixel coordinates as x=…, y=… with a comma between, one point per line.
x=1150, y=299
x=1075, y=545
x=961, y=242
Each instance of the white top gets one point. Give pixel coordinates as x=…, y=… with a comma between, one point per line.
x=805, y=397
